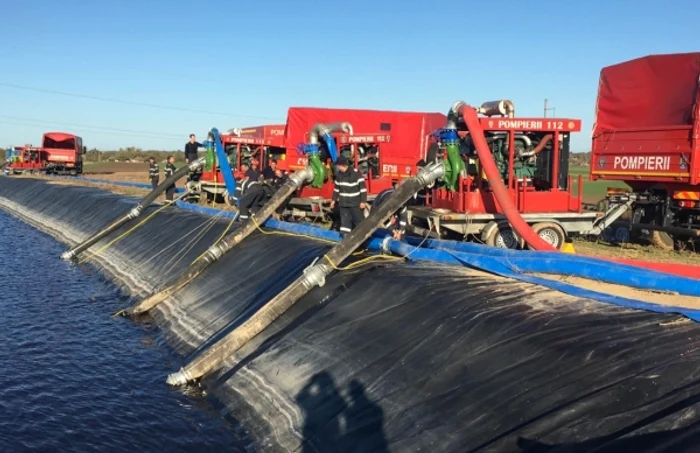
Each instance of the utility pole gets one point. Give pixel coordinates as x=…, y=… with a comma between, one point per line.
x=546, y=109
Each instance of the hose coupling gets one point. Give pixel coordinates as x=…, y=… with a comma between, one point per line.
x=302, y=176
x=214, y=253
x=385, y=244
x=180, y=378
x=197, y=163
x=315, y=275
x=135, y=212
x=429, y=174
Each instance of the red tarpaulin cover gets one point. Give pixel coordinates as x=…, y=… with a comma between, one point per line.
x=657, y=90
x=59, y=136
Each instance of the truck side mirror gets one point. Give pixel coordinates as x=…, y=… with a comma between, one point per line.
x=84, y=149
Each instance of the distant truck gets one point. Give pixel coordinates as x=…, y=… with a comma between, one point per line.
x=60, y=153
x=647, y=134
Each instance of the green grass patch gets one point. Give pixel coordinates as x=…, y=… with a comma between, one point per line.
x=593, y=191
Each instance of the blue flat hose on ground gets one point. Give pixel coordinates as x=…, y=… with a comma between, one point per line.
x=484, y=262
x=573, y=265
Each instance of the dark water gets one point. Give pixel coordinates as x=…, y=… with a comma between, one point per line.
x=74, y=379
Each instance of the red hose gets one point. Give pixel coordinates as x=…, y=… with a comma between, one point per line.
x=499, y=190
x=683, y=270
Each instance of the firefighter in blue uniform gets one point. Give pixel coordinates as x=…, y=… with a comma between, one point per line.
x=350, y=195
x=153, y=172
x=249, y=195
x=169, y=171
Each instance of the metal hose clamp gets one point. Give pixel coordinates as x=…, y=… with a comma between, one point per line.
x=135, y=212
x=315, y=275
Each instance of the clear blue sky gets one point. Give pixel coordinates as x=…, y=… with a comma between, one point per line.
x=253, y=59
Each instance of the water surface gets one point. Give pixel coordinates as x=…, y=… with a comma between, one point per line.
x=72, y=378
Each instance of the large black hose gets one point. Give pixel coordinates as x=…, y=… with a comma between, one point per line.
x=227, y=243
x=136, y=211
x=315, y=275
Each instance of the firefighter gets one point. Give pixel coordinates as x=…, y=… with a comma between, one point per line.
x=399, y=220
x=373, y=162
x=269, y=172
x=153, y=172
x=350, y=195
x=191, y=148
x=253, y=172
x=249, y=195
x=279, y=180
x=169, y=171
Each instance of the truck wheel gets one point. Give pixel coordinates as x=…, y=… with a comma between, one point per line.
x=662, y=240
x=504, y=237
x=551, y=233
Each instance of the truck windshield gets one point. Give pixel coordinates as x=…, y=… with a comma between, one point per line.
x=59, y=144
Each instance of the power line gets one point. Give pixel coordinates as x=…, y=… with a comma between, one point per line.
x=165, y=135
x=92, y=131
x=119, y=101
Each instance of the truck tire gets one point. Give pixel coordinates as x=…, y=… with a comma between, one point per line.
x=551, y=233
x=662, y=240
x=504, y=237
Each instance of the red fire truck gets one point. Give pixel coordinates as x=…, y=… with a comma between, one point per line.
x=647, y=134
x=60, y=153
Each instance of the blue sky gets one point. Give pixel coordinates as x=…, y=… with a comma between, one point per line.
x=245, y=62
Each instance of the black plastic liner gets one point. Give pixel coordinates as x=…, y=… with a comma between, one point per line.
x=401, y=357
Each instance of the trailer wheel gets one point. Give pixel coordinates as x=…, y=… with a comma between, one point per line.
x=551, y=233
x=662, y=240
x=504, y=237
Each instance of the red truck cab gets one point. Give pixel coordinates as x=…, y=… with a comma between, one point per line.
x=63, y=153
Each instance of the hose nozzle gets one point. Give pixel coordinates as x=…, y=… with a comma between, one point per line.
x=180, y=378
x=68, y=255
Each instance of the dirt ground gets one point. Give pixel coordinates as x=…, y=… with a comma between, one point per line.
x=655, y=297
x=636, y=252
x=118, y=171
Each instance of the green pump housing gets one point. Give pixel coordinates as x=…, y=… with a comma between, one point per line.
x=319, y=170
x=454, y=165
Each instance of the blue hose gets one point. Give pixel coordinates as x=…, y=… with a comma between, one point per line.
x=330, y=144
x=224, y=165
x=573, y=265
